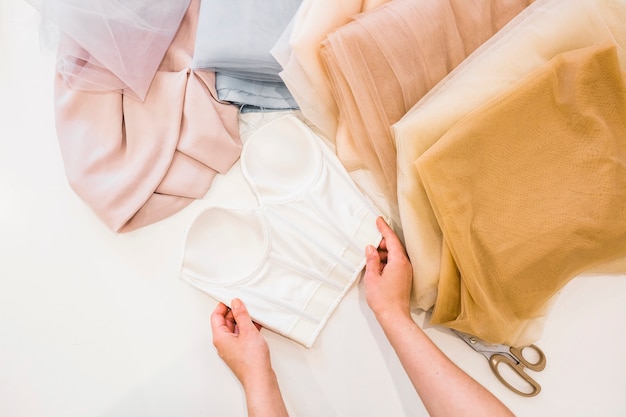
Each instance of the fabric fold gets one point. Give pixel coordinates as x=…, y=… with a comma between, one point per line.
x=136, y=162
x=234, y=40
x=108, y=46
x=530, y=191
x=539, y=33
x=384, y=61
x=298, y=52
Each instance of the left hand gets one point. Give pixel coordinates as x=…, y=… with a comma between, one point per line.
x=239, y=342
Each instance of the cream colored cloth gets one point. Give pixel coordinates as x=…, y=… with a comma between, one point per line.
x=136, y=162
x=381, y=64
x=530, y=190
x=303, y=72
x=543, y=30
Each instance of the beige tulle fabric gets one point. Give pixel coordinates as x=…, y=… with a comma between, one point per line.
x=134, y=162
x=530, y=190
x=540, y=32
x=381, y=64
x=303, y=72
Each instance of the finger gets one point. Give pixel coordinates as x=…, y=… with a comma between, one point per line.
x=372, y=261
x=383, y=245
x=219, y=326
x=382, y=254
x=218, y=318
x=231, y=323
x=241, y=315
x=392, y=242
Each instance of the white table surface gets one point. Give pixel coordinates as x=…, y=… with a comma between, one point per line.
x=94, y=323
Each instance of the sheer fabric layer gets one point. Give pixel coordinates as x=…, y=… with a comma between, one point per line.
x=530, y=190
x=135, y=162
x=381, y=64
x=540, y=32
x=298, y=52
x=110, y=45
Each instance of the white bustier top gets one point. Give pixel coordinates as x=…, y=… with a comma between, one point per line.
x=292, y=258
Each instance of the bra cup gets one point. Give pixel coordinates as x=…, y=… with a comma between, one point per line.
x=294, y=256
x=281, y=160
x=226, y=246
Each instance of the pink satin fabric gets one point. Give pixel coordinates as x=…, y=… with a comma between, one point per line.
x=135, y=163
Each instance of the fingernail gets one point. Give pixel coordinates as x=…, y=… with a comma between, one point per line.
x=236, y=303
x=369, y=250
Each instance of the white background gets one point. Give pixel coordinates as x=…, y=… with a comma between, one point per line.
x=94, y=323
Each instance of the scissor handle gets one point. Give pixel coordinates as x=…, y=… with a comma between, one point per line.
x=518, y=368
x=537, y=365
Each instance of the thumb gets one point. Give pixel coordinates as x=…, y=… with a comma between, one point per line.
x=241, y=315
x=372, y=261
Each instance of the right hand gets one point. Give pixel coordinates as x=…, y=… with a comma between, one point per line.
x=388, y=275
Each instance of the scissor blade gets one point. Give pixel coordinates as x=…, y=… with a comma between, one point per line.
x=480, y=346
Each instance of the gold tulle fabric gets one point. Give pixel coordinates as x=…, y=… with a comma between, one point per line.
x=539, y=33
x=530, y=190
x=381, y=64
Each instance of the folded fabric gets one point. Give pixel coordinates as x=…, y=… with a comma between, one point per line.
x=293, y=257
x=253, y=95
x=540, y=32
x=298, y=50
x=384, y=61
x=529, y=191
x=234, y=38
x=136, y=162
x=108, y=46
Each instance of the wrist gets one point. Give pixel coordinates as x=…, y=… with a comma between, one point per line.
x=259, y=379
x=393, y=317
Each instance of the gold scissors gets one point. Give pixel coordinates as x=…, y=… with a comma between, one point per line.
x=513, y=357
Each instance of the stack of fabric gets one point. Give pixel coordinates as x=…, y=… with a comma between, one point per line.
x=377, y=75
x=497, y=69
x=490, y=132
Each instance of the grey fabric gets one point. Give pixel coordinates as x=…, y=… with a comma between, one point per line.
x=254, y=95
x=234, y=39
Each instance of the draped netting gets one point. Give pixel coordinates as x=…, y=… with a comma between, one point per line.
x=298, y=52
x=384, y=61
x=530, y=190
x=234, y=40
x=540, y=32
x=111, y=45
x=136, y=162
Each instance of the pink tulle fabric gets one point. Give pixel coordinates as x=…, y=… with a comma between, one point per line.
x=381, y=64
x=111, y=45
x=136, y=162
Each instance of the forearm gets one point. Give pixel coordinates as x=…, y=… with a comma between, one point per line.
x=263, y=397
x=444, y=388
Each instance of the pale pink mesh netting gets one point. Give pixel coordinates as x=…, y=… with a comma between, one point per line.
x=109, y=45
x=381, y=64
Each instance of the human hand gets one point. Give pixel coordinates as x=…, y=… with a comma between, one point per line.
x=239, y=342
x=388, y=276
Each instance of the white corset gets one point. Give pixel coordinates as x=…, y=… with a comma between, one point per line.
x=293, y=257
